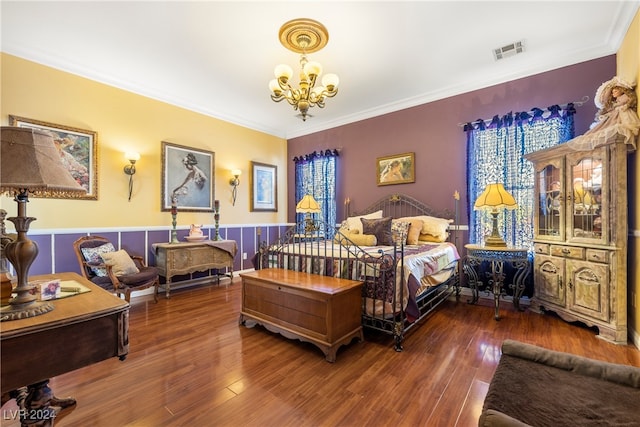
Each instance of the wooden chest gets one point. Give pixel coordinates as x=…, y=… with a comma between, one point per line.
x=324, y=311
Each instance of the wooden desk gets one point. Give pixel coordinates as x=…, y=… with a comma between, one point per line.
x=81, y=330
x=325, y=311
x=173, y=259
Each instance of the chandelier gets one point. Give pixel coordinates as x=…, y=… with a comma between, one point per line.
x=303, y=36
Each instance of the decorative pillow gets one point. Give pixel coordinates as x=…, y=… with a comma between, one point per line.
x=357, y=238
x=381, y=228
x=353, y=222
x=399, y=231
x=92, y=256
x=434, y=226
x=432, y=238
x=413, y=235
x=121, y=262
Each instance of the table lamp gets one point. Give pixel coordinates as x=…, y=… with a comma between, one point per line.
x=308, y=205
x=29, y=163
x=492, y=198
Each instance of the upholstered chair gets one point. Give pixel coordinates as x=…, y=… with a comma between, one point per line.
x=114, y=270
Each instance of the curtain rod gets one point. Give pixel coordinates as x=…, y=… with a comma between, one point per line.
x=563, y=106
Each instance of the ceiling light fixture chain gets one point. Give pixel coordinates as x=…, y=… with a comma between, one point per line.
x=303, y=36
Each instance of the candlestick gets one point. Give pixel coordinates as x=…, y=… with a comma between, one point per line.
x=216, y=217
x=174, y=214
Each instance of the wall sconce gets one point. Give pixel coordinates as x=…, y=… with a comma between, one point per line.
x=130, y=169
x=235, y=181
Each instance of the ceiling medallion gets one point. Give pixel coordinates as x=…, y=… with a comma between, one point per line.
x=303, y=36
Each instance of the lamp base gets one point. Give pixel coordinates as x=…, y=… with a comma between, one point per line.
x=495, y=242
x=23, y=311
x=309, y=225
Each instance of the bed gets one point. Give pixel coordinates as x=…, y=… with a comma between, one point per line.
x=402, y=250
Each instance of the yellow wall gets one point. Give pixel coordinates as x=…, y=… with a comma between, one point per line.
x=128, y=122
x=628, y=66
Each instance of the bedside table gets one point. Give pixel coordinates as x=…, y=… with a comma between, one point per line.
x=497, y=257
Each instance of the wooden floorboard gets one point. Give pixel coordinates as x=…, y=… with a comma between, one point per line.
x=192, y=364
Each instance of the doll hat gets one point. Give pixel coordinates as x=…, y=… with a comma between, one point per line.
x=604, y=91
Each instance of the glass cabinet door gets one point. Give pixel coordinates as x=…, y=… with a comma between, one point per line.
x=551, y=210
x=588, y=208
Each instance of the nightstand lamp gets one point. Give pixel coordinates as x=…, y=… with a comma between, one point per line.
x=309, y=206
x=495, y=197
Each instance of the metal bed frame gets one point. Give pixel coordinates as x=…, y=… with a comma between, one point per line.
x=318, y=248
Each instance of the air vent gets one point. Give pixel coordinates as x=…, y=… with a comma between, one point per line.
x=509, y=50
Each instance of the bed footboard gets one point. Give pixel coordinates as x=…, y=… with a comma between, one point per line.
x=391, y=300
x=317, y=248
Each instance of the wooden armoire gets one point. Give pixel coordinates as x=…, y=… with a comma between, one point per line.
x=580, y=235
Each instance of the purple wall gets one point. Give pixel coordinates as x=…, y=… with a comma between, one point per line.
x=433, y=133
x=56, y=254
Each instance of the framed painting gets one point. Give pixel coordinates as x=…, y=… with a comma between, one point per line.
x=397, y=169
x=78, y=149
x=264, y=187
x=187, y=178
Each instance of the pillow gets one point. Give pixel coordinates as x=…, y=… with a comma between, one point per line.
x=437, y=227
x=381, y=228
x=431, y=238
x=413, y=235
x=353, y=222
x=357, y=238
x=399, y=231
x=92, y=256
x=121, y=262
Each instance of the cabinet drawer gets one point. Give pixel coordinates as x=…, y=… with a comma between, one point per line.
x=567, y=251
x=598, y=255
x=541, y=248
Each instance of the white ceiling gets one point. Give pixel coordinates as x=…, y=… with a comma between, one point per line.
x=217, y=57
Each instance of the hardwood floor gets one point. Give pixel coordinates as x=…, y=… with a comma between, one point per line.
x=191, y=364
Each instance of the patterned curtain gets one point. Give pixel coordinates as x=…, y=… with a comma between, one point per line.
x=316, y=175
x=495, y=154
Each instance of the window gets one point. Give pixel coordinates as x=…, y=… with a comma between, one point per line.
x=495, y=154
x=316, y=175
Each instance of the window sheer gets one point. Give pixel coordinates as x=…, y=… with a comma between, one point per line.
x=495, y=154
x=316, y=175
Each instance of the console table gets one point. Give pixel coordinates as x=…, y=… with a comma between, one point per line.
x=173, y=259
x=497, y=257
x=81, y=330
x=323, y=310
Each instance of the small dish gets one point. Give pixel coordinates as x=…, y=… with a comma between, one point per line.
x=195, y=238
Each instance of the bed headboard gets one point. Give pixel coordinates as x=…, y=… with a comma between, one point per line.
x=401, y=205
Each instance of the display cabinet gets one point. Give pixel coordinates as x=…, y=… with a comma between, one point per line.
x=580, y=235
